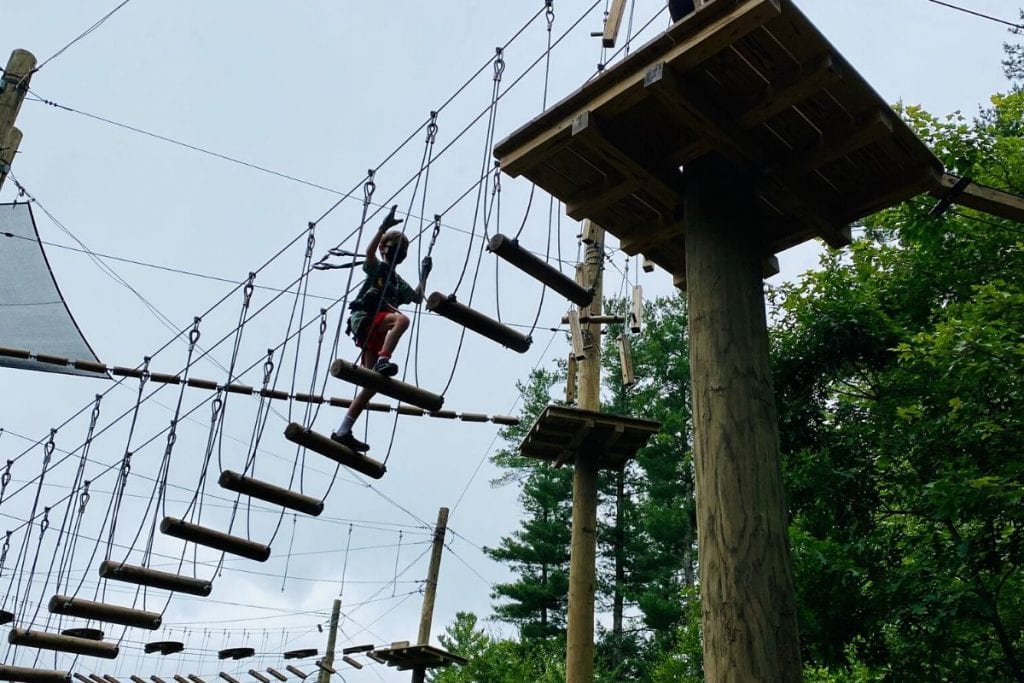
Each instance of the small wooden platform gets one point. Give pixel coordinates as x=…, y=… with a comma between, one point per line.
x=559, y=433
x=752, y=82
x=405, y=657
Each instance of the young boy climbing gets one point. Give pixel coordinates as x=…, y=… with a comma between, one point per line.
x=376, y=323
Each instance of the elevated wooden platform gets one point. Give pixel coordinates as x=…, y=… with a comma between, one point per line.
x=560, y=432
x=752, y=82
x=406, y=657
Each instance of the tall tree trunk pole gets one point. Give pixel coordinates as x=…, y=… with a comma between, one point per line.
x=579, y=655
x=430, y=591
x=332, y=636
x=746, y=576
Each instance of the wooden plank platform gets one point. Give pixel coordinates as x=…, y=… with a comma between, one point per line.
x=749, y=81
x=405, y=657
x=560, y=432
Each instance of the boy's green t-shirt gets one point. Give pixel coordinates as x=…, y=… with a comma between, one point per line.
x=383, y=278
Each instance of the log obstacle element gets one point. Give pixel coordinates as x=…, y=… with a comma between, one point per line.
x=51, y=641
x=111, y=614
x=447, y=307
x=144, y=576
x=23, y=674
x=164, y=647
x=508, y=249
x=365, y=377
x=239, y=483
x=212, y=538
x=333, y=450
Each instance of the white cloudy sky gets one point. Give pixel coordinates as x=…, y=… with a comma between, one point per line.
x=319, y=91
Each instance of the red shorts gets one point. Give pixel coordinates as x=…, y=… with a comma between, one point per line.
x=373, y=340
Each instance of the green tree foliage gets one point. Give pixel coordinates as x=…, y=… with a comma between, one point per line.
x=494, y=660
x=901, y=390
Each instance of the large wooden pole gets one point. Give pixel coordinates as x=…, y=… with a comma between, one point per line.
x=747, y=595
x=579, y=654
x=430, y=590
x=13, y=87
x=332, y=636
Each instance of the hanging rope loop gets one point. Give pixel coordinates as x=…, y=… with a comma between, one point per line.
x=95, y=416
x=323, y=322
x=144, y=377
x=6, y=547
x=48, y=448
x=45, y=523
x=310, y=240
x=216, y=405
x=126, y=467
x=499, y=63
x=268, y=368
x=497, y=178
x=5, y=479
x=369, y=187
x=83, y=498
x=432, y=128
x=194, y=334
x=549, y=13
x=247, y=290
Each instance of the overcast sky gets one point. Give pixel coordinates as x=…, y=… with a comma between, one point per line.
x=321, y=91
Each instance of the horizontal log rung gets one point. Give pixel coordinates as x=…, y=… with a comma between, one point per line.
x=342, y=455
x=212, y=538
x=239, y=483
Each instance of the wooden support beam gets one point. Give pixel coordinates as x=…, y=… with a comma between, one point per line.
x=778, y=97
x=333, y=450
x=509, y=250
x=834, y=231
x=448, y=307
x=13, y=88
x=570, y=379
x=982, y=198
x=636, y=315
x=576, y=335
x=658, y=234
x=211, y=538
x=587, y=130
x=834, y=145
x=239, y=483
x=613, y=22
x=111, y=614
x=365, y=377
x=626, y=361
x=23, y=674
x=51, y=641
x=143, y=576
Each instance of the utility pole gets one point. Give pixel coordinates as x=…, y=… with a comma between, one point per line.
x=430, y=590
x=332, y=636
x=579, y=654
x=13, y=87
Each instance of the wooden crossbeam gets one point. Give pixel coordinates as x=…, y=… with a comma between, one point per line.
x=595, y=199
x=982, y=198
x=657, y=235
x=836, y=144
x=587, y=129
x=778, y=97
x=613, y=23
x=834, y=231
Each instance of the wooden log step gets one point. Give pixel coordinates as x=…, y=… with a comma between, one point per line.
x=143, y=576
x=111, y=614
x=137, y=679
x=83, y=679
x=97, y=679
x=24, y=674
x=180, y=679
x=239, y=483
x=6, y=617
x=351, y=662
x=364, y=464
x=164, y=647
x=276, y=674
x=156, y=679
x=365, y=377
x=211, y=538
x=195, y=679
x=51, y=641
x=236, y=653
x=508, y=249
x=295, y=670
x=448, y=307
x=258, y=676
x=301, y=653
x=228, y=677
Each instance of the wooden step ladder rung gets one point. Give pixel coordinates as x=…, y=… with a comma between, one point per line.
x=111, y=614
x=508, y=249
x=364, y=464
x=365, y=377
x=24, y=674
x=239, y=483
x=211, y=538
x=42, y=640
x=447, y=307
x=144, y=576
x=258, y=676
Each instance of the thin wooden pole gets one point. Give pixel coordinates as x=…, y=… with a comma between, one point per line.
x=579, y=654
x=747, y=594
x=430, y=591
x=332, y=636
